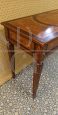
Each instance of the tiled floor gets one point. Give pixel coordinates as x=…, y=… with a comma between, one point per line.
x=15, y=95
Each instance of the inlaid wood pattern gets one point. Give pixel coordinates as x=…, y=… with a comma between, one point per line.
x=43, y=31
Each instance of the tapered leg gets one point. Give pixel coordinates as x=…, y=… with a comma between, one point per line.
x=37, y=71
x=12, y=58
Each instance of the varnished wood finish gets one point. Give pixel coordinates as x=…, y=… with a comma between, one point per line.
x=43, y=31
x=22, y=40
x=48, y=18
x=38, y=55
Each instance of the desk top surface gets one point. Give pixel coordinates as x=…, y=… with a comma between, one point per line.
x=43, y=26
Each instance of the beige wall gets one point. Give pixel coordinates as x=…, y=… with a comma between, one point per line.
x=11, y=9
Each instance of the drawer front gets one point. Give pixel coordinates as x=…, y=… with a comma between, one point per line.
x=53, y=44
x=22, y=40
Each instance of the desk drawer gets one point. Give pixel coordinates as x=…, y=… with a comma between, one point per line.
x=53, y=44
x=22, y=40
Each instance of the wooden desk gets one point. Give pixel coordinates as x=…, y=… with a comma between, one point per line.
x=36, y=34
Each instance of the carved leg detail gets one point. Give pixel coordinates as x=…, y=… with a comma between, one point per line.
x=12, y=58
